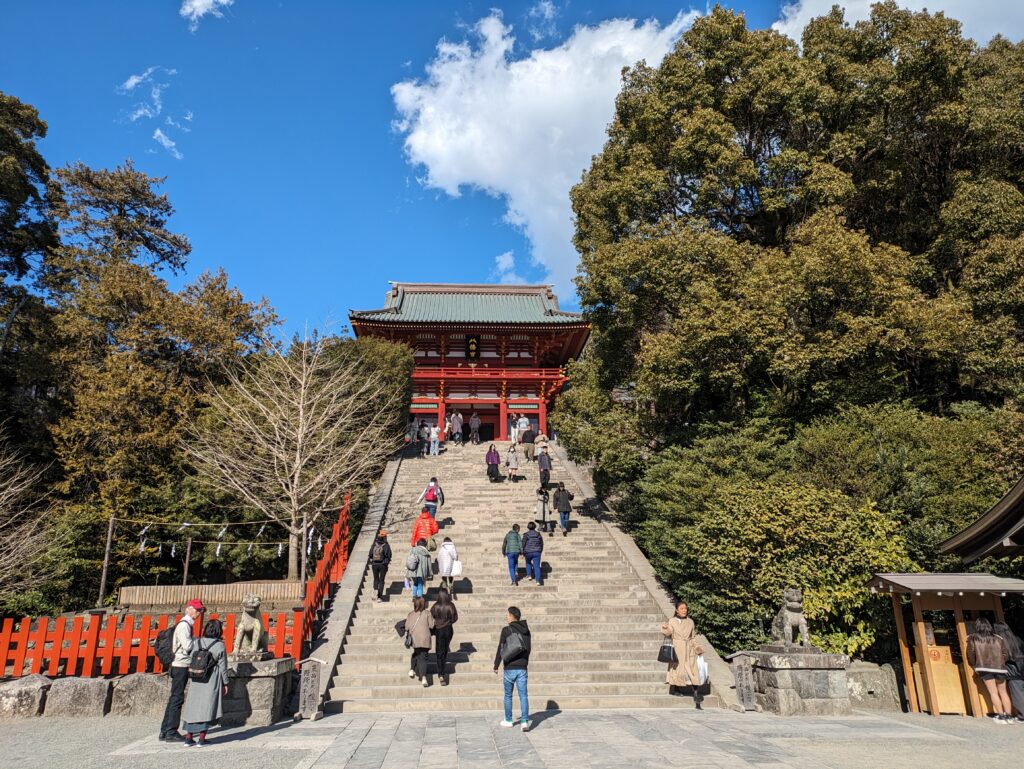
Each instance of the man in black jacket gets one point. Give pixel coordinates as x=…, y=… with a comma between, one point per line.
x=380, y=559
x=514, y=651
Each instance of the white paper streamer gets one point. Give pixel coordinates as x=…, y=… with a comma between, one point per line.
x=160, y=550
x=222, y=531
x=260, y=532
x=279, y=547
x=249, y=549
x=142, y=545
x=219, y=544
x=320, y=543
x=173, y=549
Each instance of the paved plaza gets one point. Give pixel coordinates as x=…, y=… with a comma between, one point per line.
x=638, y=739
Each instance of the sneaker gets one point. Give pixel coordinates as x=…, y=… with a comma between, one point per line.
x=507, y=724
x=525, y=726
x=189, y=742
x=426, y=683
x=565, y=533
x=171, y=737
x=201, y=742
x=380, y=600
x=412, y=674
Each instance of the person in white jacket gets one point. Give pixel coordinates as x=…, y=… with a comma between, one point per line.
x=447, y=555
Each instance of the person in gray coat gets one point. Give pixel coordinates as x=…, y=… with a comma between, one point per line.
x=204, y=704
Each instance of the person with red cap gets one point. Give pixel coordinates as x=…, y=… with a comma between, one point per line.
x=178, y=671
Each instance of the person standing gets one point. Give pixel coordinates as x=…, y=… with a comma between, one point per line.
x=424, y=436
x=514, y=648
x=512, y=462
x=683, y=672
x=457, y=428
x=435, y=439
x=511, y=547
x=182, y=646
x=1014, y=667
x=432, y=497
x=419, y=623
x=544, y=515
x=563, y=504
x=527, y=437
x=417, y=568
x=380, y=559
x=544, y=466
x=988, y=654
x=533, y=546
x=204, y=705
x=474, y=428
x=445, y=615
x=523, y=424
x=493, y=459
x=513, y=427
x=447, y=555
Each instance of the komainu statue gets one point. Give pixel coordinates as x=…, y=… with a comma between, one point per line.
x=250, y=638
x=790, y=618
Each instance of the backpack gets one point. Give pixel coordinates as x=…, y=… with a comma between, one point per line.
x=378, y=552
x=514, y=646
x=163, y=646
x=412, y=561
x=201, y=664
x=430, y=495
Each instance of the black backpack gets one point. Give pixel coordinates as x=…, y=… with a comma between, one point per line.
x=163, y=646
x=201, y=664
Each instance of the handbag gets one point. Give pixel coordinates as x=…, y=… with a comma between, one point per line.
x=667, y=652
x=512, y=647
x=408, y=633
x=456, y=568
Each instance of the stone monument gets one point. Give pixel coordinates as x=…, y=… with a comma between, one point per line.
x=259, y=686
x=791, y=676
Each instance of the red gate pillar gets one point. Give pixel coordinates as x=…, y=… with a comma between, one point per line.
x=502, y=421
x=440, y=418
x=542, y=417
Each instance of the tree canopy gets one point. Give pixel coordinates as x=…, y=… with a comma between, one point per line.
x=775, y=236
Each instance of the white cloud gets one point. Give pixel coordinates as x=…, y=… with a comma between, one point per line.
x=542, y=20
x=155, y=104
x=524, y=129
x=194, y=10
x=130, y=84
x=505, y=269
x=168, y=144
x=981, y=19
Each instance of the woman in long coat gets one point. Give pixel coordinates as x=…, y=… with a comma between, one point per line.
x=204, y=703
x=682, y=631
x=512, y=462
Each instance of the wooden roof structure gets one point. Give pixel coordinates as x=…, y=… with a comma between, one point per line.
x=998, y=533
x=945, y=584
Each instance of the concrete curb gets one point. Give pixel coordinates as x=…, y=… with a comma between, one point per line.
x=347, y=594
x=718, y=669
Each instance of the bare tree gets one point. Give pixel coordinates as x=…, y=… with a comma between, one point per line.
x=293, y=430
x=24, y=540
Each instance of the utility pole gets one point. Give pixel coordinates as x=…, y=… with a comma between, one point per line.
x=106, y=563
x=188, y=557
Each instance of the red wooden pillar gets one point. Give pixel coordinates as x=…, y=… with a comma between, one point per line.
x=440, y=418
x=502, y=420
x=542, y=416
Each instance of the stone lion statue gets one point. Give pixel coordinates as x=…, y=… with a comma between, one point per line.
x=790, y=618
x=250, y=636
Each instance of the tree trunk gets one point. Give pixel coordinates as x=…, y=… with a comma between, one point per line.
x=294, y=554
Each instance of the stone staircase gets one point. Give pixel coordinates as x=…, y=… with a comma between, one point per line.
x=594, y=624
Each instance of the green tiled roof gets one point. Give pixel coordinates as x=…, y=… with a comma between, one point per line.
x=454, y=303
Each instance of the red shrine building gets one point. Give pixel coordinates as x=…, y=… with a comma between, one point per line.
x=495, y=350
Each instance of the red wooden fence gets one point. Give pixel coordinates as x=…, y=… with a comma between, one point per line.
x=100, y=646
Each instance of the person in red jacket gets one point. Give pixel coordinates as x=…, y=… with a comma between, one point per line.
x=424, y=528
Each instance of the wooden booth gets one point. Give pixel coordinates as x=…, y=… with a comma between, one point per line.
x=493, y=350
x=936, y=682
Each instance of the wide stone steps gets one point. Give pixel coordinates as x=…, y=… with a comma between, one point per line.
x=594, y=624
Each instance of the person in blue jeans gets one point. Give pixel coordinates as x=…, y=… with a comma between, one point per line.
x=514, y=653
x=562, y=502
x=533, y=546
x=511, y=548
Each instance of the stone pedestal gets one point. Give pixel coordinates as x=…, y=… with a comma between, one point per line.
x=258, y=691
x=795, y=681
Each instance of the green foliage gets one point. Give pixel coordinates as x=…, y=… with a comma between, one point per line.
x=804, y=268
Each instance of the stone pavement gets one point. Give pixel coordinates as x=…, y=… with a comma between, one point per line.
x=638, y=739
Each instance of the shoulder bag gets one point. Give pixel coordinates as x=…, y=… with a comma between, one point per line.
x=408, y=633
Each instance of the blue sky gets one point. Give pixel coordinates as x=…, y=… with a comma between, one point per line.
x=317, y=150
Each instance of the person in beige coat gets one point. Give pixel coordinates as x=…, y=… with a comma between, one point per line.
x=418, y=624
x=683, y=673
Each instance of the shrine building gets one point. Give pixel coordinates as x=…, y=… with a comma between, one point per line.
x=493, y=349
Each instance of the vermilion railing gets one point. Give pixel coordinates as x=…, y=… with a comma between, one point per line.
x=97, y=645
x=329, y=569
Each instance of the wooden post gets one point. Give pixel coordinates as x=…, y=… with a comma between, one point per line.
x=997, y=607
x=106, y=563
x=502, y=417
x=923, y=660
x=908, y=668
x=443, y=435
x=542, y=417
x=188, y=557
x=974, y=703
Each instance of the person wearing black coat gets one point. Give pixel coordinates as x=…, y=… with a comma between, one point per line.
x=380, y=559
x=516, y=663
x=533, y=546
x=562, y=502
